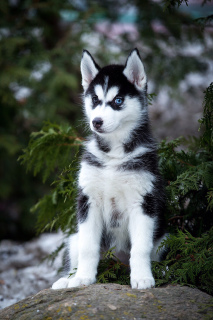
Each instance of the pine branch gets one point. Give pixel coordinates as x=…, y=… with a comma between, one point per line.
x=49, y=149
x=111, y=269
x=57, y=210
x=206, y=123
x=189, y=175
x=171, y=4
x=205, y=21
x=210, y=199
x=188, y=262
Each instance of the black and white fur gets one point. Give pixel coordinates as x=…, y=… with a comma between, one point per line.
x=121, y=196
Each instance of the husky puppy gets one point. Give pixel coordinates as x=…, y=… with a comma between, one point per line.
x=121, y=198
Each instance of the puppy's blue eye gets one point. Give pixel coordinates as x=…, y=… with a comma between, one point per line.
x=118, y=101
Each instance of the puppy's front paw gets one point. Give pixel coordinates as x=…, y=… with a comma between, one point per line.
x=60, y=284
x=77, y=281
x=143, y=283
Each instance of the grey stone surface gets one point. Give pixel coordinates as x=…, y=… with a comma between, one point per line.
x=113, y=301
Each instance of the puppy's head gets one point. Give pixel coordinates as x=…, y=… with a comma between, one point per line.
x=114, y=95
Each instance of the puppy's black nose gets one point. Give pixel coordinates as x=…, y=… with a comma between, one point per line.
x=97, y=123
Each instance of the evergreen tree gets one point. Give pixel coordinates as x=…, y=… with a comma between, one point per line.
x=38, y=81
x=189, y=175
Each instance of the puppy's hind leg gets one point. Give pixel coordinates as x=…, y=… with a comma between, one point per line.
x=71, y=262
x=159, y=254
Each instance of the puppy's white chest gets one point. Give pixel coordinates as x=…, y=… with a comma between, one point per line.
x=113, y=188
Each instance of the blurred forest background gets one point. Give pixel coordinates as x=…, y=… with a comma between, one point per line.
x=41, y=43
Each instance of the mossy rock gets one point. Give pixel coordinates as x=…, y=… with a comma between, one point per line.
x=113, y=301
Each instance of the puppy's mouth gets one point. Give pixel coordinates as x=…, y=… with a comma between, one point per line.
x=99, y=130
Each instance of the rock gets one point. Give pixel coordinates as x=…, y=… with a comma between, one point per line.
x=113, y=301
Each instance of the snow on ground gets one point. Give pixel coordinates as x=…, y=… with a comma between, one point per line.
x=22, y=272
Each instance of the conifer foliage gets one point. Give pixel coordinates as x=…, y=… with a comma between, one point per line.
x=189, y=261
x=54, y=148
x=189, y=173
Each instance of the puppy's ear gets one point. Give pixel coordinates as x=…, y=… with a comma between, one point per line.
x=134, y=70
x=89, y=69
